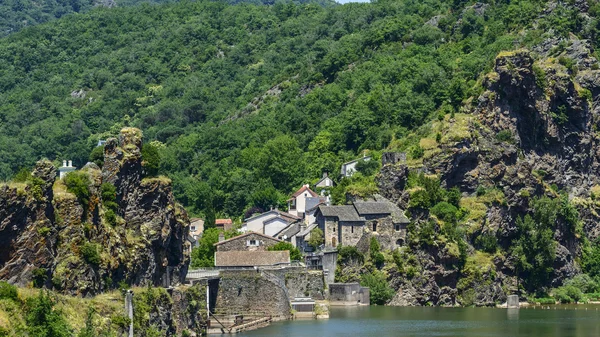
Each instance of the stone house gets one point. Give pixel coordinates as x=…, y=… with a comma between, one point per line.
x=224, y=224
x=297, y=203
x=350, y=224
x=249, y=250
x=250, y=241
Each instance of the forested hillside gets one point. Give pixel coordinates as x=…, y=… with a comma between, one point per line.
x=18, y=14
x=244, y=103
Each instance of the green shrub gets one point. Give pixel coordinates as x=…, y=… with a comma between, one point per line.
x=295, y=254
x=90, y=253
x=78, y=183
x=417, y=152
x=505, y=136
x=349, y=254
x=111, y=217
x=379, y=288
x=445, y=211
x=109, y=196
x=39, y=277
x=97, y=156
x=316, y=238
x=35, y=187
x=540, y=77
x=8, y=291
x=120, y=321
x=487, y=243
x=43, y=319
x=480, y=191
x=398, y=260
x=568, y=294
x=584, y=283
x=22, y=176
x=43, y=231
x=375, y=253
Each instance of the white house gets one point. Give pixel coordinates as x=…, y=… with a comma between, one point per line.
x=269, y=223
x=297, y=203
x=66, y=168
x=349, y=168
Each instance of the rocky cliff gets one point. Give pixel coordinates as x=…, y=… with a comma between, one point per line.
x=86, y=234
x=530, y=138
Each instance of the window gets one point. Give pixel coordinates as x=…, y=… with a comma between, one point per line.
x=374, y=226
x=334, y=229
x=252, y=242
x=352, y=229
x=193, y=228
x=293, y=205
x=397, y=227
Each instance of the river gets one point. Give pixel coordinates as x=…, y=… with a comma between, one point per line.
x=379, y=321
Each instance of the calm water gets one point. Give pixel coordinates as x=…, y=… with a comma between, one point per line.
x=564, y=321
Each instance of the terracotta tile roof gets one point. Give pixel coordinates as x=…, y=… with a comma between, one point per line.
x=244, y=235
x=223, y=222
x=304, y=189
x=251, y=259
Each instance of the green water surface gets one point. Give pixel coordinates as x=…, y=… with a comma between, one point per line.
x=379, y=321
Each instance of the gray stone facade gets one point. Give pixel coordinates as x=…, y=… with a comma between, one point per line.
x=349, y=225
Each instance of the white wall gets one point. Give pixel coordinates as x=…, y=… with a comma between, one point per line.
x=256, y=224
x=275, y=227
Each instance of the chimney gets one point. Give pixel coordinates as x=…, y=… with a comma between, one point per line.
x=221, y=237
x=307, y=185
x=64, y=163
x=70, y=163
x=324, y=174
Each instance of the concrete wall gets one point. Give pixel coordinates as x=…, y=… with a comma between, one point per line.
x=248, y=292
x=329, y=265
x=348, y=294
x=241, y=244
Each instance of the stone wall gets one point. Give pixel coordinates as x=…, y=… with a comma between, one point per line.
x=302, y=283
x=350, y=232
x=250, y=292
x=241, y=243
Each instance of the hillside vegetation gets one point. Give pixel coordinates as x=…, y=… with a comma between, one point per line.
x=247, y=102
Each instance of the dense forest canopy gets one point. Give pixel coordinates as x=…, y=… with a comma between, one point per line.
x=18, y=14
x=244, y=103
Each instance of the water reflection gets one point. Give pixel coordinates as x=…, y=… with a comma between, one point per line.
x=563, y=321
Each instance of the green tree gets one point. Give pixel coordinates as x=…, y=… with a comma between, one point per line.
x=295, y=254
x=43, y=319
x=379, y=288
x=151, y=160
x=97, y=156
x=204, y=254
x=316, y=238
x=375, y=253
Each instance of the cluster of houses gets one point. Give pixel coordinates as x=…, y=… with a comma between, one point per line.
x=349, y=225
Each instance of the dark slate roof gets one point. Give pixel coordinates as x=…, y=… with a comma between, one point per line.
x=343, y=213
x=371, y=208
x=307, y=230
x=251, y=258
x=313, y=202
x=289, y=231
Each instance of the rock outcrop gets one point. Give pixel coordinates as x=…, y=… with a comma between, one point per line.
x=531, y=133
x=86, y=243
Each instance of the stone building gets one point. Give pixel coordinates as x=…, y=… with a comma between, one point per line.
x=250, y=241
x=350, y=224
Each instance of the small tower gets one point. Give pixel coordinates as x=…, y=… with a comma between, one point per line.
x=66, y=168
